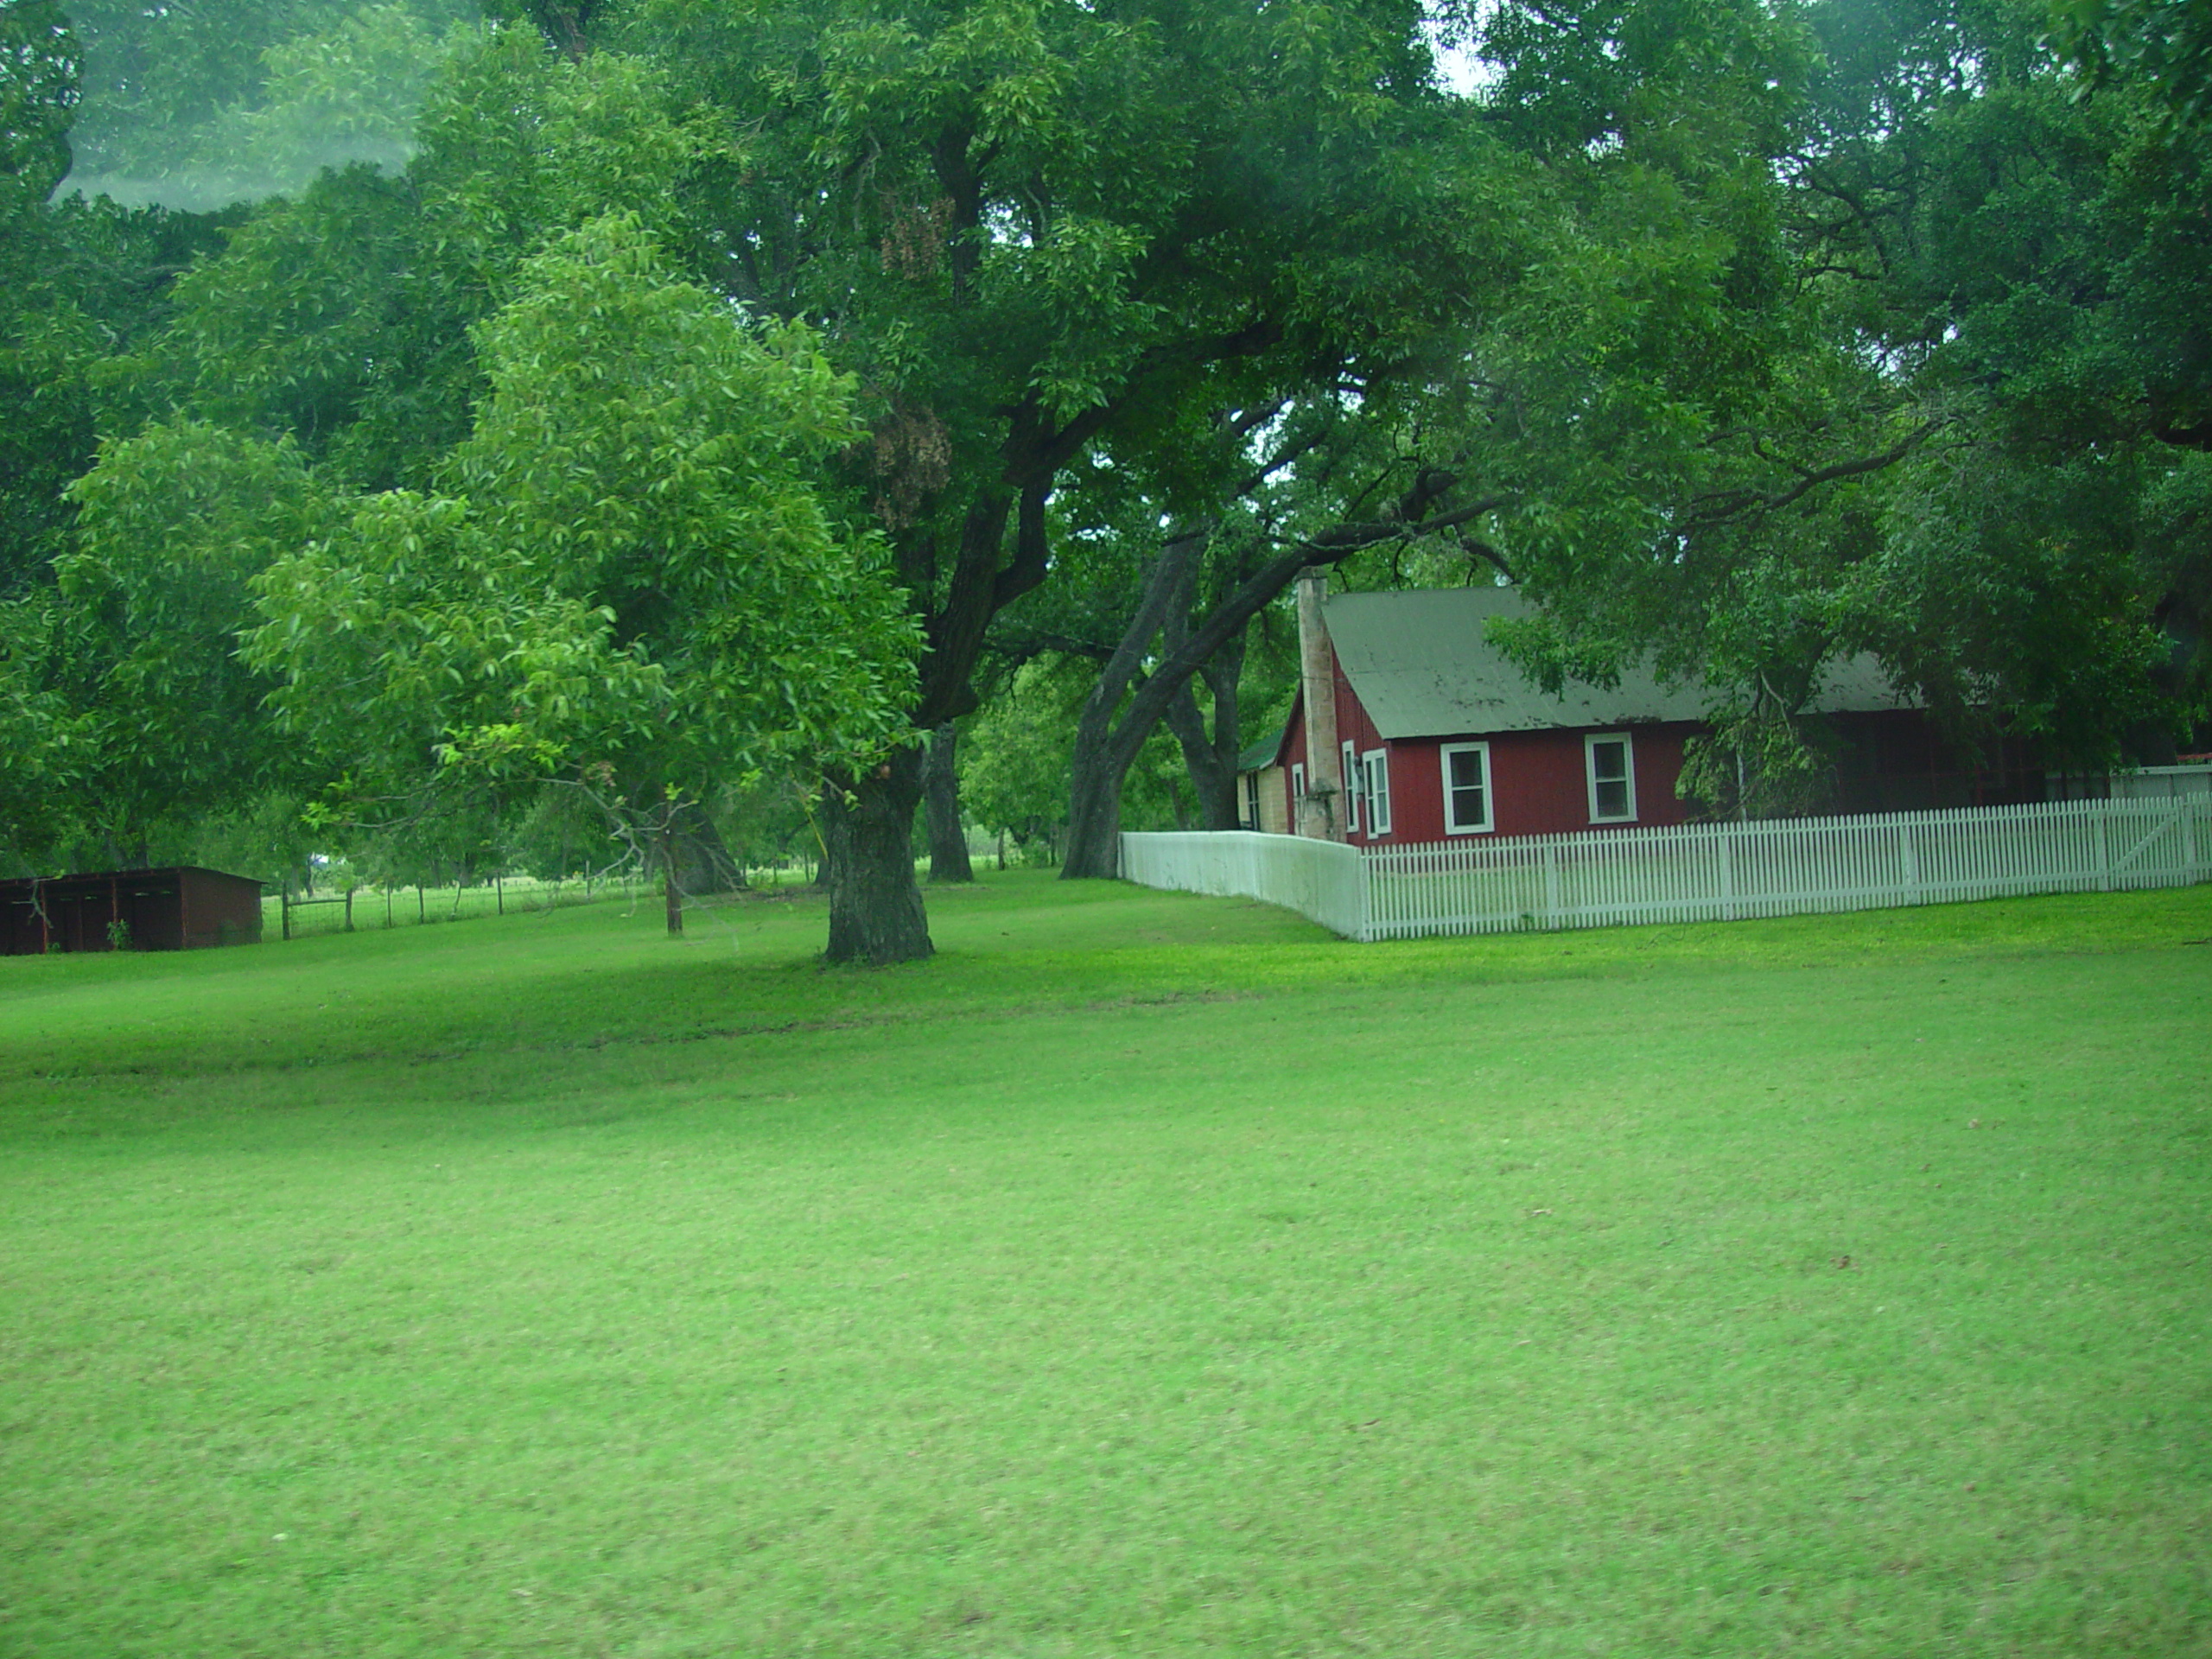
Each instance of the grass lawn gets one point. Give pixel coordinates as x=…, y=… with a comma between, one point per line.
x=1148, y=1275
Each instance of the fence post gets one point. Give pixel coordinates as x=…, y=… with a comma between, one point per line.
x=1551, y=886
x=1728, y=871
x=349, y=910
x=284, y=909
x=2104, y=847
x=1909, y=859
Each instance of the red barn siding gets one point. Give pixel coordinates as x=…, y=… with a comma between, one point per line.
x=173, y=909
x=1539, y=782
x=1658, y=768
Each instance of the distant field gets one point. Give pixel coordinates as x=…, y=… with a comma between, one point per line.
x=1147, y=1275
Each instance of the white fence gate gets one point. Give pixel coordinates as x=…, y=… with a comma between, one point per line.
x=1690, y=873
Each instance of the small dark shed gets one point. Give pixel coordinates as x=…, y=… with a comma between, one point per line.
x=177, y=909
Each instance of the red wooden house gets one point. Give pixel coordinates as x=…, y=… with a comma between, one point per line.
x=1438, y=736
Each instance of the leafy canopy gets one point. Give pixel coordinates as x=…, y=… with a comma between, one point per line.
x=626, y=561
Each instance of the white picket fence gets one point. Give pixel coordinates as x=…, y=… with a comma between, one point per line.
x=1693, y=872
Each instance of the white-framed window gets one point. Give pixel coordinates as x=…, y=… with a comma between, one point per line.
x=1251, y=800
x=1375, y=764
x=1297, y=781
x=1467, y=789
x=1609, y=762
x=1349, y=762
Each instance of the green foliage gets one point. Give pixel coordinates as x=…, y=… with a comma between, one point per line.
x=77, y=282
x=39, y=80
x=1040, y=232
x=1908, y=385
x=2166, y=44
x=265, y=836
x=1014, y=756
x=1014, y=759
x=127, y=670
x=631, y=565
x=302, y=326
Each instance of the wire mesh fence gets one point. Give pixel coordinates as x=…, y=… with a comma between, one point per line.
x=292, y=916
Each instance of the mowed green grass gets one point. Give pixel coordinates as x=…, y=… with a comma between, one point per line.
x=1147, y=1275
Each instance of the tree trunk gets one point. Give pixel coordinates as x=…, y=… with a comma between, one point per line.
x=672, y=883
x=1211, y=758
x=875, y=908
x=1094, y=844
x=701, y=857
x=1104, y=751
x=941, y=805
x=1095, y=815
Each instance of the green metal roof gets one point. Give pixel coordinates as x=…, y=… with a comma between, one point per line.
x=1423, y=668
x=1258, y=756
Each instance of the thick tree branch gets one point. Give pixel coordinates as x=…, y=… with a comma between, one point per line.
x=1734, y=504
x=1036, y=642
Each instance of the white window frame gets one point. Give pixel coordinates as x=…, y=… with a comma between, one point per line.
x=1589, y=743
x=1297, y=781
x=1451, y=826
x=1354, y=786
x=1375, y=774
x=1251, y=803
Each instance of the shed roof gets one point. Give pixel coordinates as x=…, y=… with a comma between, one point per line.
x=162, y=879
x=1422, y=666
x=1257, y=757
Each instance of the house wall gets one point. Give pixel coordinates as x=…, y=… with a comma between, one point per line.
x=1538, y=779
x=1274, y=801
x=1539, y=782
x=1885, y=761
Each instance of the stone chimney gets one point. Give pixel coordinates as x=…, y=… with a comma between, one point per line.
x=1321, y=814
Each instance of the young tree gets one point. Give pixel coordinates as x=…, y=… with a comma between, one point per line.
x=133, y=653
x=626, y=573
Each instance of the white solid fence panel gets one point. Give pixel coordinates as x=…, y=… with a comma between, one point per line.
x=1688, y=873
x=2162, y=783
x=1322, y=880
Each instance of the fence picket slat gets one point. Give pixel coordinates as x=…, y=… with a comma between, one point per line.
x=1687, y=873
